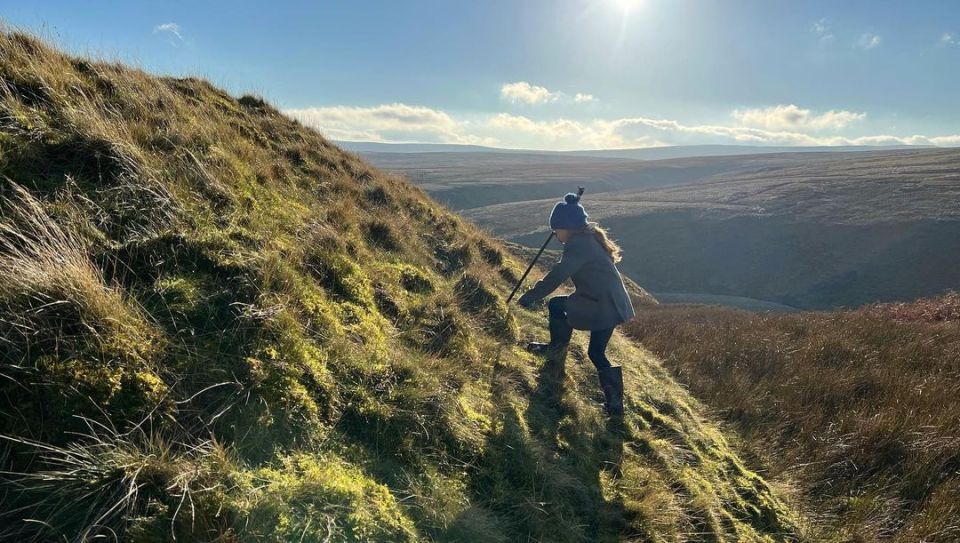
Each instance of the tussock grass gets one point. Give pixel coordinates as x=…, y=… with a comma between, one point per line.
x=222, y=289
x=63, y=326
x=43, y=266
x=105, y=483
x=858, y=410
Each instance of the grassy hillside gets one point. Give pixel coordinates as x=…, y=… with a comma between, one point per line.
x=857, y=409
x=217, y=326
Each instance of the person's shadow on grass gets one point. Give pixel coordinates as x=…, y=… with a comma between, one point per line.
x=545, y=417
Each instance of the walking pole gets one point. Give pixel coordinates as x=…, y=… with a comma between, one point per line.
x=534, y=261
x=530, y=267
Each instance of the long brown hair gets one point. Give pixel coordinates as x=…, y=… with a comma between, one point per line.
x=603, y=237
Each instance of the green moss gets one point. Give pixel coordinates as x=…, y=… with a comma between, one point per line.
x=183, y=293
x=292, y=372
x=313, y=498
x=91, y=377
x=364, y=325
x=341, y=277
x=413, y=279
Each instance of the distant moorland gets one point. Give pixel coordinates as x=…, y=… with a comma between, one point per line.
x=806, y=230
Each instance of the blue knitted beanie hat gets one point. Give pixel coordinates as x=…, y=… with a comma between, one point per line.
x=568, y=214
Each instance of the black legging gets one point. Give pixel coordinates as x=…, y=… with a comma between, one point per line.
x=557, y=306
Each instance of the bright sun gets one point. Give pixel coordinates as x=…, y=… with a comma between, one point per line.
x=625, y=5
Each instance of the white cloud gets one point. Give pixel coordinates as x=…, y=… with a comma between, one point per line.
x=780, y=125
x=562, y=134
x=527, y=93
x=172, y=29
x=791, y=117
x=821, y=28
x=948, y=39
x=677, y=133
x=387, y=123
x=868, y=41
x=945, y=141
x=521, y=91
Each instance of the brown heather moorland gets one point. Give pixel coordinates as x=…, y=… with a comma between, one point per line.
x=858, y=410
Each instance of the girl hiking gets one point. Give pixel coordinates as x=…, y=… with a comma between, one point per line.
x=599, y=303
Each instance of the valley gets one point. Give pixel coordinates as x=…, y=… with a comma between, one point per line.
x=805, y=230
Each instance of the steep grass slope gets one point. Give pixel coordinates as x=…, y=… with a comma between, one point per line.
x=217, y=326
x=860, y=409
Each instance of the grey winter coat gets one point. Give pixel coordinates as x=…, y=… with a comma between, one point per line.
x=600, y=300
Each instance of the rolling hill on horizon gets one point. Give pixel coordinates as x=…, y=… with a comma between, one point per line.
x=637, y=153
x=807, y=230
x=470, y=180
x=835, y=231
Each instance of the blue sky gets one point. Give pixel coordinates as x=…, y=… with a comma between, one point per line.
x=557, y=74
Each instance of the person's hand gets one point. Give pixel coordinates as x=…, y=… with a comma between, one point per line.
x=526, y=300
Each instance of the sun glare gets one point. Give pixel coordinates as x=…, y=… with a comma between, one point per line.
x=626, y=6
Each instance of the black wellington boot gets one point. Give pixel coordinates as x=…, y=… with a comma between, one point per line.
x=560, y=333
x=611, y=381
x=537, y=347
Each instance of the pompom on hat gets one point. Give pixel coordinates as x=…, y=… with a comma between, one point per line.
x=568, y=214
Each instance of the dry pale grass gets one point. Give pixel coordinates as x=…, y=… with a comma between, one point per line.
x=105, y=478
x=943, y=309
x=860, y=409
x=47, y=277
